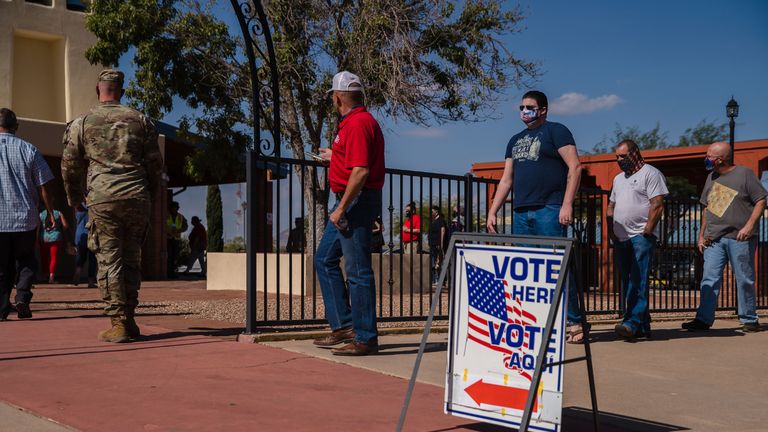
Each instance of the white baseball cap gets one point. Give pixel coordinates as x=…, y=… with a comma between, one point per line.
x=346, y=81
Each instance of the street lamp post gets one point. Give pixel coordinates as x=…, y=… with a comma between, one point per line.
x=732, y=111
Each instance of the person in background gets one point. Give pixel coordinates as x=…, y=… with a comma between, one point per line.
x=296, y=240
x=52, y=241
x=24, y=177
x=198, y=244
x=410, y=237
x=377, y=235
x=84, y=255
x=438, y=234
x=456, y=225
x=174, y=226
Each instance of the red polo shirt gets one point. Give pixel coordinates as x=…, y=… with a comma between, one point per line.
x=412, y=222
x=359, y=143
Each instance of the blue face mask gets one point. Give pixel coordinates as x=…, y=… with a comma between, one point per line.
x=709, y=165
x=529, y=116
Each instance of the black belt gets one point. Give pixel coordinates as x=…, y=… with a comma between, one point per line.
x=339, y=195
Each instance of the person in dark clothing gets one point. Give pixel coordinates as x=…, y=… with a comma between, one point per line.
x=437, y=242
x=296, y=239
x=198, y=244
x=377, y=235
x=175, y=225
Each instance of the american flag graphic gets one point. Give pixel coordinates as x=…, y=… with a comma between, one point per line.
x=491, y=302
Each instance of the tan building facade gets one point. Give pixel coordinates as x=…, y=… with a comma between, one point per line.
x=47, y=81
x=42, y=59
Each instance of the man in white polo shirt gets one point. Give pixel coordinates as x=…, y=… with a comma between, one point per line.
x=634, y=210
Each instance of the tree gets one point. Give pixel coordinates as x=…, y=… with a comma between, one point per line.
x=213, y=214
x=652, y=139
x=236, y=245
x=421, y=60
x=706, y=132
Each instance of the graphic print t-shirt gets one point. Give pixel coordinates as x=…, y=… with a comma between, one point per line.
x=540, y=174
x=730, y=199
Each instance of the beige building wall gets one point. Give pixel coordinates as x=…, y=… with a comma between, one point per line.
x=43, y=71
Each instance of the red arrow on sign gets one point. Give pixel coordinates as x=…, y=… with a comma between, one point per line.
x=499, y=395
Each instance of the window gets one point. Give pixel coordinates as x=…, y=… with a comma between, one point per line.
x=78, y=5
x=41, y=2
x=38, y=77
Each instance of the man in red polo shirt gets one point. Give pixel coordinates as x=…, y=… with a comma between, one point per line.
x=356, y=177
x=411, y=235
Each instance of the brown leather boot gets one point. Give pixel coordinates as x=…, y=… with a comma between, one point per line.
x=131, y=326
x=118, y=333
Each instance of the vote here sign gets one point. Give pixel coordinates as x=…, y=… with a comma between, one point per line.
x=502, y=298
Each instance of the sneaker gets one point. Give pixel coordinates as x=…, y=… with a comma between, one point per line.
x=22, y=311
x=624, y=331
x=751, y=327
x=696, y=325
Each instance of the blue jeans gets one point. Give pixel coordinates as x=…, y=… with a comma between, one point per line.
x=634, y=259
x=351, y=304
x=742, y=257
x=545, y=221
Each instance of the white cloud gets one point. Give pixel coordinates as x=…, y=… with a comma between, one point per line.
x=426, y=133
x=578, y=103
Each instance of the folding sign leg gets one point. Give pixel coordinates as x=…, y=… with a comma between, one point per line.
x=422, y=346
x=587, y=346
x=546, y=336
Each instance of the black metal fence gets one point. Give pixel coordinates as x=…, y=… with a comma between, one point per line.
x=289, y=292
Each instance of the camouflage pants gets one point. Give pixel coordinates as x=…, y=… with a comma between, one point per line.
x=116, y=233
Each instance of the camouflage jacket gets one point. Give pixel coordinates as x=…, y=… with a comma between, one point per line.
x=118, y=147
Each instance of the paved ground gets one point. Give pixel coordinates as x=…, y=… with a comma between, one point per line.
x=190, y=375
x=714, y=381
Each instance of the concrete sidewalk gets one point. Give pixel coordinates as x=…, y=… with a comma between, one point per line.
x=714, y=381
x=189, y=375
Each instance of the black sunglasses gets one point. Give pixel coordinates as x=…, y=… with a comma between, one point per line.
x=528, y=107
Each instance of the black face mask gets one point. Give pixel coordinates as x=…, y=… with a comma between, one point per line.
x=625, y=164
x=407, y=213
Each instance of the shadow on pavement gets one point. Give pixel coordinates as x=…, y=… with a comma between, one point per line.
x=666, y=335
x=576, y=419
x=193, y=331
x=111, y=348
x=96, y=314
x=34, y=302
x=395, y=349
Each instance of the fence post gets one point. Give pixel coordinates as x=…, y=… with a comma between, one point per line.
x=468, y=219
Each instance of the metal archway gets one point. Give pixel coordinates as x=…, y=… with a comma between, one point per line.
x=265, y=100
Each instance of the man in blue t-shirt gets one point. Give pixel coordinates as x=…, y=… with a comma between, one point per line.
x=543, y=165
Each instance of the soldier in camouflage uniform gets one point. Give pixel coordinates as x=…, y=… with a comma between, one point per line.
x=117, y=147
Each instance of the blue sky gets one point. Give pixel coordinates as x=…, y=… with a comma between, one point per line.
x=602, y=63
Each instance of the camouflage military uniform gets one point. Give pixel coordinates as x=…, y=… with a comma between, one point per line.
x=117, y=147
